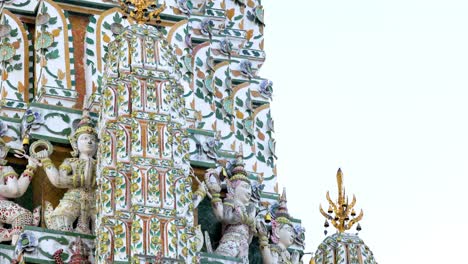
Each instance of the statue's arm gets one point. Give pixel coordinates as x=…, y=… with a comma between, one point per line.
x=60, y=178
x=218, y=208
x=13, y=186
x=264, y=246
x=266, y=255
x=232, y=213
x=199, y=194
x=214, y=187
x=26, y=177
x=9, y=187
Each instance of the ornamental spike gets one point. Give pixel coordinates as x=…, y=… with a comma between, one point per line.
x=342, y=213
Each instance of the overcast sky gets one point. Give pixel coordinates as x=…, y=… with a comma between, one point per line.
x=380, y=89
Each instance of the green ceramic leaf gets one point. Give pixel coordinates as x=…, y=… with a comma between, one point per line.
x=209, y=84
x=199, y=62
x=218, y=82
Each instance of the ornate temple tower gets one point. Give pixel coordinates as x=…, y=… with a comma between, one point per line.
x=174, y=90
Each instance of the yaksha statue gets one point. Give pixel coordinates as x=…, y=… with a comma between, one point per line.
x=78, y=175
x=283, y=235
x=236, y=212
x=12, y=186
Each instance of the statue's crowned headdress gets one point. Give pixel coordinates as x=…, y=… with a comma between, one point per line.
x=238, y=171
x=281, y=214
x=85, y=126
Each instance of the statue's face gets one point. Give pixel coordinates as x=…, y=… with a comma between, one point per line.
x=243, y=192
x=286, y=235
x=87, y=144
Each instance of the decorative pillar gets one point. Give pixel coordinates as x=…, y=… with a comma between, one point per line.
x=145, y=210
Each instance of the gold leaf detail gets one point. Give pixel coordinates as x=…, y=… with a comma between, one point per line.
x=254, y=167
x=255, y=94
x=16, y=44
x=178, y=51
x=260, y=135
x=60, y=74
x=218, y=94
x=56, y=32
x=192, y=104
x=44, y=81
x=230, y=13
x=200, y=74
x=7, y=139
x=233, y=146
x=176, y=11
x=239, y=114
x=43, y=62
x=249, y=34
x=214, y=126
x=4, y=93
x=20, y=87
x=106, y=38
x=4, y=75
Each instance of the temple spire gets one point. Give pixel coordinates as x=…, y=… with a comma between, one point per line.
x=341, y=214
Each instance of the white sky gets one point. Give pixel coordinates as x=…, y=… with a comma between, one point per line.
x=378, y=88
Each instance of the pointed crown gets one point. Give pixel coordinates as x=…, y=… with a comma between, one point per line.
x=238, y=171
x=86, y=125
x=281, y=212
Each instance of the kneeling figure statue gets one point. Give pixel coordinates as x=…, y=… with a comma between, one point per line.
x=78, y=175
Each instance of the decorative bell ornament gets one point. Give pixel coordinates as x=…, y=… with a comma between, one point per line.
x=268, y=217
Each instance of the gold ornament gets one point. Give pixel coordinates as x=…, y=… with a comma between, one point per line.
x=142, y=10
x=341, y=214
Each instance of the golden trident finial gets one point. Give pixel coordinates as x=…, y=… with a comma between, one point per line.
x=142, y=10
x=344, y=215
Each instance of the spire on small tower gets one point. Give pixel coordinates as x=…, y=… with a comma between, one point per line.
x=341, y=214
